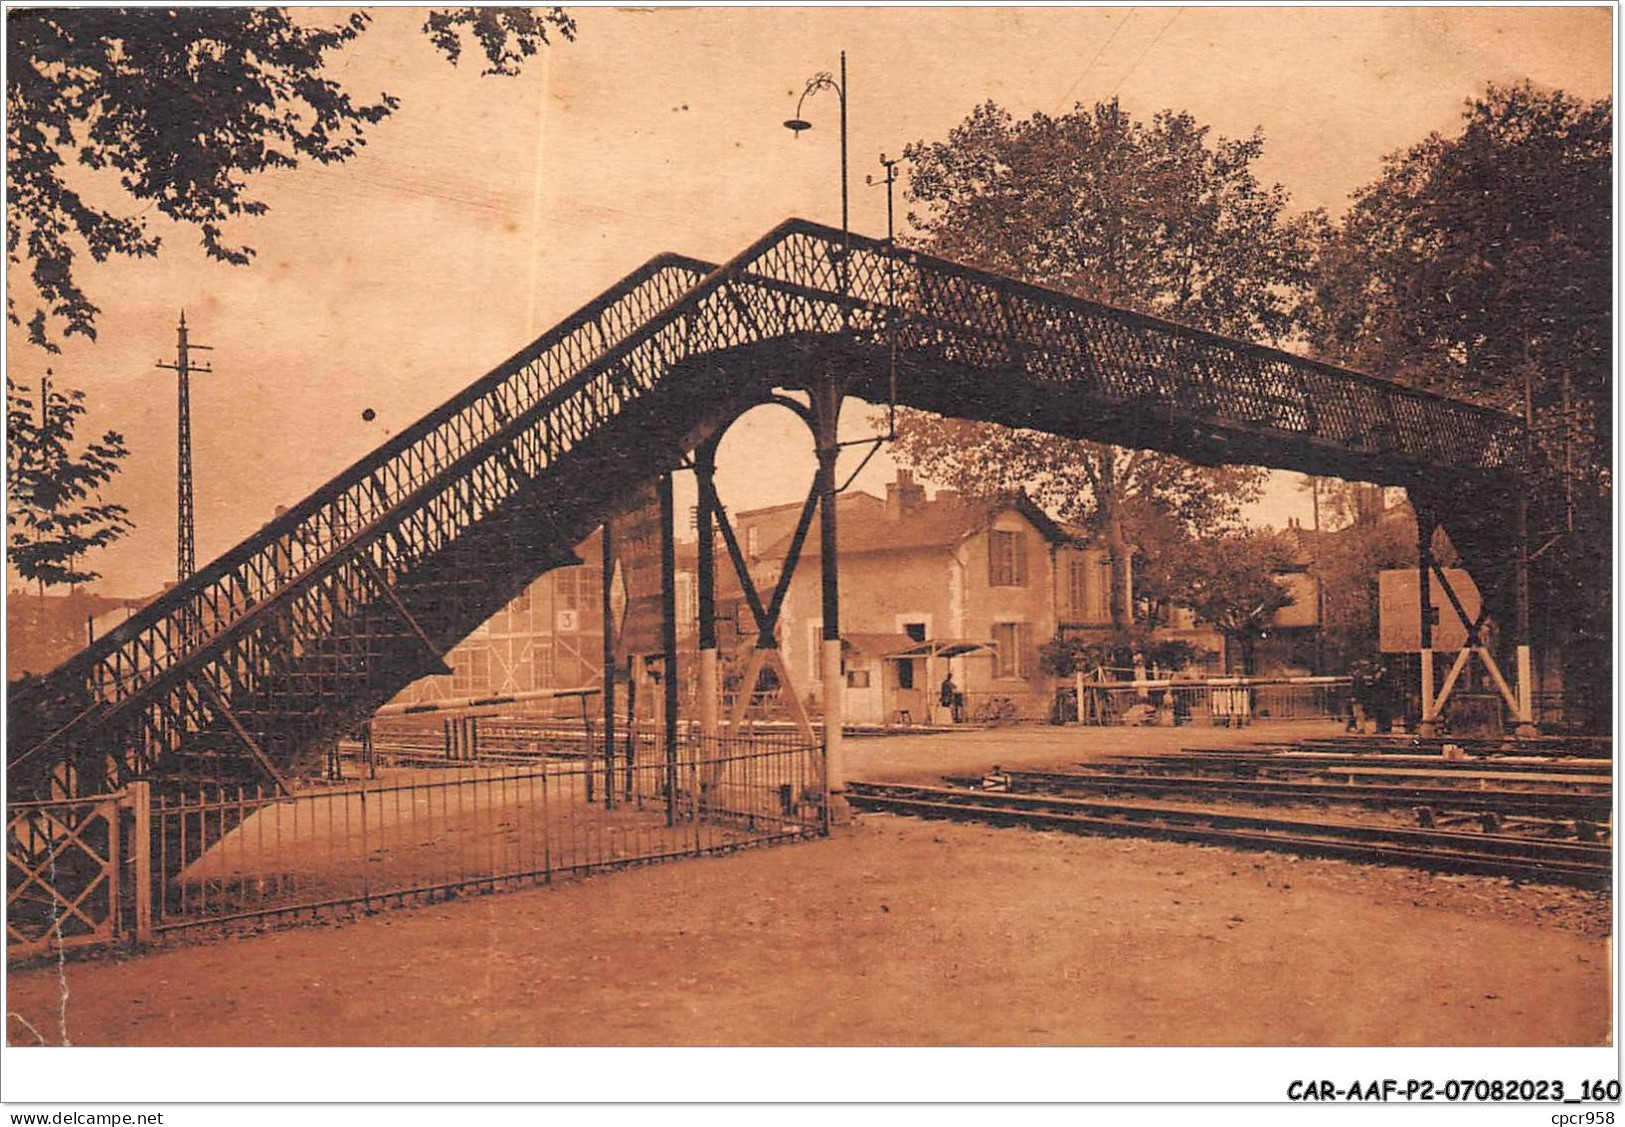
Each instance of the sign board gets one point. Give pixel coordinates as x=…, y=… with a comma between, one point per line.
x=635, y=591
x=1399, y=623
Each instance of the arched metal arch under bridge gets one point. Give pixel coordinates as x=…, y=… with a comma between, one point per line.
x=299, y=633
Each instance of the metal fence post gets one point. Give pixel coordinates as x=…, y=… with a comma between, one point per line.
x=366, y=855
x=139, y=795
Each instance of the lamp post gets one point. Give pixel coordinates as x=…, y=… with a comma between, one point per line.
x=798, y=125
x=826, y=408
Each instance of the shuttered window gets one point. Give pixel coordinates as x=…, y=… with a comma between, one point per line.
x=1006, y=559
x=1011, y=643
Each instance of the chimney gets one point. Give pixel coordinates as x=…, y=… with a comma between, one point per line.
x=903, y=496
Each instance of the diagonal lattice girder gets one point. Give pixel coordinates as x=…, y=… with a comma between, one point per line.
x=463, y=509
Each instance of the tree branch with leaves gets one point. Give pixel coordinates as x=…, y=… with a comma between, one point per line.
x=1231, y=583
x=114, y=111
x=55, y=514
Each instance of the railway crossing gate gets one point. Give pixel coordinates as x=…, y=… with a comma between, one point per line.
x=252, y=666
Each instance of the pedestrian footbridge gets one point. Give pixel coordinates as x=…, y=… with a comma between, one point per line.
x=296, y=635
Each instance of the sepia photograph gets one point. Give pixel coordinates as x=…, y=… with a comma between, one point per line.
x=637, y=529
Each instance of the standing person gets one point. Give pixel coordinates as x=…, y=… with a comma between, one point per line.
x=950, y=696
x=1361, y=678
x=1383, y=699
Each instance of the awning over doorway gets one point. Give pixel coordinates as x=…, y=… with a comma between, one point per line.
x=877, y=645
x=939, y=647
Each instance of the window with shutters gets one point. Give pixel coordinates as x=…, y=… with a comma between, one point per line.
x=1006, y=559
x=1011, y=641
x=1077, y=586
x=1088, y=580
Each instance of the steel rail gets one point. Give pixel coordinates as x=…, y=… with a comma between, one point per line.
x=1596, y=807
x=1585, y=770
x=1568, y=747
x=1486, y=854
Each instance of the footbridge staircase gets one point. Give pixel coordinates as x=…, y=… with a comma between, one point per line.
x=248, y=669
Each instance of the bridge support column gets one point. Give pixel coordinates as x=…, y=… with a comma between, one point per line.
x=826, y=418
x=608, y=557
x=705, y=464
x=1426, y=524
x=1526, y=675
x=668, y=640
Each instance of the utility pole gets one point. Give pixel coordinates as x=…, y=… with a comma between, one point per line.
x=185, y=555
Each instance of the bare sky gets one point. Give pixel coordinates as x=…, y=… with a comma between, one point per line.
x=488, y=208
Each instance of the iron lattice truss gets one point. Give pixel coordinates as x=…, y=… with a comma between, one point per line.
x=300, y=632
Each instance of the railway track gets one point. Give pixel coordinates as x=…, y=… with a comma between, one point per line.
x=1247, y=763
x=1573, y=747
x=1440, y=850
x=1553, y=803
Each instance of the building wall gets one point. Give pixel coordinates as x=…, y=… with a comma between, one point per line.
x=881, y=593
x=549, y=637
x=950, y=591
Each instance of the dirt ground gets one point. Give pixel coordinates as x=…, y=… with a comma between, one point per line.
x=895, y=932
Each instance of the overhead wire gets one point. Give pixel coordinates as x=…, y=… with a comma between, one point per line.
x=1099, y=51
x=1177, y=13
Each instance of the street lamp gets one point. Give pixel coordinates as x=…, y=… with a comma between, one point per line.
x=826, y=411
x=798, y=125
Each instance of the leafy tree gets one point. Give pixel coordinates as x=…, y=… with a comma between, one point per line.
x=177, y=107
x=54, y=511
x=1155, y=217
x=1336, y=502
x=1230, y=583
x=1480, y=265
x=1480, y=259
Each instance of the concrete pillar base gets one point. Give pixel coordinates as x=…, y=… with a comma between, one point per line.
x=1526, y=731
x=840, y=811
x=1428, y=729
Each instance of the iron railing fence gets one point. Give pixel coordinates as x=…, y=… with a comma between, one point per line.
x=1321, y=699
x=63, y=867
x=137, y=864
x=1225, y=702
x=417, y=833
x=488, y=739
x=1220, y=701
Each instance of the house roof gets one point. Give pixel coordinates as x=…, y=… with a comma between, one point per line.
x=934, y=524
